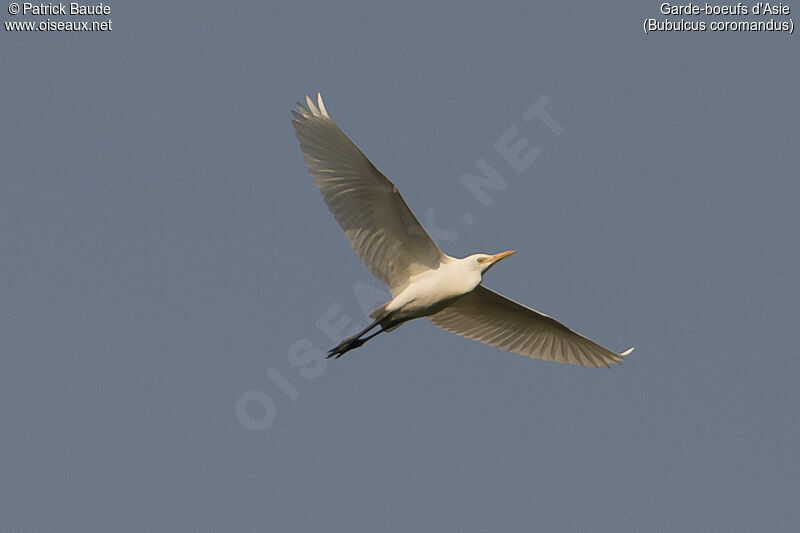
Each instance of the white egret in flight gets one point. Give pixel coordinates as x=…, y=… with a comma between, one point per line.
x=423, y=281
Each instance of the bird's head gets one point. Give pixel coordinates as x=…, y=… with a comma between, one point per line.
x=483, y=262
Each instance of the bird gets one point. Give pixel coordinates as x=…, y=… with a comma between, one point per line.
x=423, y=281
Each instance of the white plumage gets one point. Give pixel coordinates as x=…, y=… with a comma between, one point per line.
x=423, y=281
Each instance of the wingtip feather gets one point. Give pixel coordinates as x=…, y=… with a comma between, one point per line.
x=311, y=106
x=313, y=109
x=321, y=106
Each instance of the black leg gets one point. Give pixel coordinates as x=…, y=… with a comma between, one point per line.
x=353, y=342
x=365, y=330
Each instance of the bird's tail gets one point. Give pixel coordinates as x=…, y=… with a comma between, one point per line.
x=380, y=313
x=385, y=318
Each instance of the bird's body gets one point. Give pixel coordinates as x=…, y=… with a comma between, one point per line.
x=432, y=290
x=423, y=281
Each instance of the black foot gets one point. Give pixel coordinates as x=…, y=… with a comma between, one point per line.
x=344, y=347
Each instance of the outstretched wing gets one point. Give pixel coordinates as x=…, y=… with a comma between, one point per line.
x=488, y=317
x=379, y=225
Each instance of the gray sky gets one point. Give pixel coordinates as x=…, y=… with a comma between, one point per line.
x=169, y=269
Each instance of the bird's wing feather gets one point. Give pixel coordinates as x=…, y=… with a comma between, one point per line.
x=488, y=317
x=376, y=220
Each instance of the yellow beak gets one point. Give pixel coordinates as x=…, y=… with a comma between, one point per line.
x=502, y=255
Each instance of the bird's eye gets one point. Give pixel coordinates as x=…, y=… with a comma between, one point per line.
x=480, y=260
